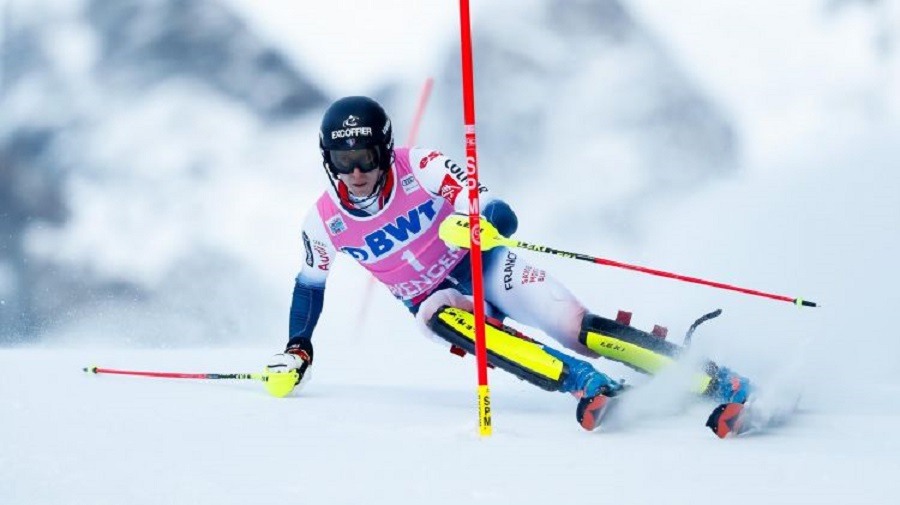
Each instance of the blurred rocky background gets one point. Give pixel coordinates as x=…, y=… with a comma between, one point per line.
x=156, y=156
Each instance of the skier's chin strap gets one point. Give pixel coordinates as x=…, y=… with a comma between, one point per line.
x=380, y=193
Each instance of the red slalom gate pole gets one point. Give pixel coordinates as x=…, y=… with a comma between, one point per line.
x=411, y=139
x=484, y=395
x=420, y=111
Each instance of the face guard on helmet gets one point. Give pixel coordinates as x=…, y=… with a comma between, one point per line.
x=356, y=133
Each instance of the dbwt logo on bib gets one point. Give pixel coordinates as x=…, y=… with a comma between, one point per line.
x=393, y=236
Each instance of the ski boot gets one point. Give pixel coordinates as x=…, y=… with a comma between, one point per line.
x=732, y=391
x=594, y=389
x=727, y=386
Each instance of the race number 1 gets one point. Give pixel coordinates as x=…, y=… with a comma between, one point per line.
x=411, y=259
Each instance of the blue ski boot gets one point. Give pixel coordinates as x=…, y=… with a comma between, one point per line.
x=731, y=391
x=583, y=379
x=728, y=387
x=594, y=389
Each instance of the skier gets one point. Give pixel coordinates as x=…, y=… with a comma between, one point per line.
x=384, y=208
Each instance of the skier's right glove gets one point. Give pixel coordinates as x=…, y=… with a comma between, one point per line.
x=296, y=358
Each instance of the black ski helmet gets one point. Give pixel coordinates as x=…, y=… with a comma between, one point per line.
x=356, y=122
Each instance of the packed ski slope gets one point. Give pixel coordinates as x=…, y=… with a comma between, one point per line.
x=381, y=426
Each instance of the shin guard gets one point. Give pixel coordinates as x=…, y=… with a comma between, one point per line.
x=632, y=347
x=507, y=349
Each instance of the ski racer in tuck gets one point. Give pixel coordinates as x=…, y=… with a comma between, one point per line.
x=384, y=208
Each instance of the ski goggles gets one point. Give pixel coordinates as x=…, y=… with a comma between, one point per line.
x=344, y=162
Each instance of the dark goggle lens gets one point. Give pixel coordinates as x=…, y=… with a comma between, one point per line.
x=343, y=162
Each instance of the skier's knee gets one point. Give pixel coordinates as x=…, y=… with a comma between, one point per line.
x=450, y=297
x=568, y=325
x=564, y=318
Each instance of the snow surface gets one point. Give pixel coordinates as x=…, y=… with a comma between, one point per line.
x=390, y=417
x=378, y=426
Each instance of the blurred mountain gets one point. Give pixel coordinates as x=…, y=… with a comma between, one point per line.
x=103, y=102
x=579, y=94
x=142, y=43
x=144, y=117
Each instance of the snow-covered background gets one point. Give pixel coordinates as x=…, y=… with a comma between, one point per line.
x=156, y=159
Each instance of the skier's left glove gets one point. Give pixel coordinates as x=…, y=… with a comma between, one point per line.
x=297, y=357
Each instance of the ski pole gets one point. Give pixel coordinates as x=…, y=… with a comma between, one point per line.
x=277, y=384
x=455, y=230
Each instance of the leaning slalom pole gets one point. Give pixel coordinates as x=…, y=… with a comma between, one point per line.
x=277, y=384
x=454, y=230
x=484, y=395
x=413, y=133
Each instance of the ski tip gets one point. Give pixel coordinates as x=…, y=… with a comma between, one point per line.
x=726, y=419
x=591, y=410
